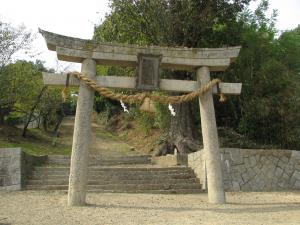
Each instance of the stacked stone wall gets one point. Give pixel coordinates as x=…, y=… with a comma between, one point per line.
x=15, y=166
x=10, y=169
x=253, y=169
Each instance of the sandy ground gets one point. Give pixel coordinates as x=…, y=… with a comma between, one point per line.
x=30, y=207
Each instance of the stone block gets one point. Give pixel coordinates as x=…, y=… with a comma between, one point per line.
x=10, y=168
x=281, y=164
x=247, y=163
x=297, y=166
x=295, y=155
x=296, y=175
x=284, y=181
x=268, y=183
x=263, y=159
x=257, y=169
x=271, y=170
x=275, y=183
x=252, y=184
x=234, y=169
x=246, y=152
x=278, y=172
x=274, y=160
x=251, y=172
x=245, y=177
x=228, y=186
x=236, y=186
x=252, y=161
x=292, y=181
x=260, y=183
x=246, y=187
x=15, y=165
x=289, y=169
x=237, y=178
x=257, y=157
x=226, y=176
x=284, y=159
x=297, y=185
x=241, y=168
x=268, y=162
x=236, y=156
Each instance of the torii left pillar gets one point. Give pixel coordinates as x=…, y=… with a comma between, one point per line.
x=81, y=139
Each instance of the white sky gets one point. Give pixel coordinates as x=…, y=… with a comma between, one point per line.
x=77, y=19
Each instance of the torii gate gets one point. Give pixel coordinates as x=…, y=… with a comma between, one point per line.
x=91, y=53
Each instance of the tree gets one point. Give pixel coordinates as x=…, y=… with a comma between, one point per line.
x=189, y=23
x=12, y=40
x=269, y=69
x=26, y=97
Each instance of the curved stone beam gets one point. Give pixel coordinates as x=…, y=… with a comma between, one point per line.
x=76, y=50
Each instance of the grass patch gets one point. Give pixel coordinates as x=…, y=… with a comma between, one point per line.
x=37, y=142
x=106, y=135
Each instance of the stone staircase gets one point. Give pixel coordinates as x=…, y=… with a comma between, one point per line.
x=128, y=174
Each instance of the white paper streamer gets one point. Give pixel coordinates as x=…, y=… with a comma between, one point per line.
x=172, y=111
x=124, y=106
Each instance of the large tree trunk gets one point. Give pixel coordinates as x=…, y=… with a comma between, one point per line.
x=183, y=131
x=183, y=134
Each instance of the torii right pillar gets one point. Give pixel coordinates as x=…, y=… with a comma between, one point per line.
x=212, y=152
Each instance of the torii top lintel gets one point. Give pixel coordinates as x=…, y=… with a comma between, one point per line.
x=76, y=50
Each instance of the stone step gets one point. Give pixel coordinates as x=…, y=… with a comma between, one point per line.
x=140, y=177
x=104, y=160
x=114, y=181
x=173, y=191
x=116, y=176
x=116, y=169
x=121, y=187
x=113, y=173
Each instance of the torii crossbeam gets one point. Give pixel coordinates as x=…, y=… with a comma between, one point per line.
x=91, y=53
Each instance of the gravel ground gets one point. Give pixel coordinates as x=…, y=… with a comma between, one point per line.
x=36, y=207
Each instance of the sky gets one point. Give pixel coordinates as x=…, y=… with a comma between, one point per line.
x=77, y=19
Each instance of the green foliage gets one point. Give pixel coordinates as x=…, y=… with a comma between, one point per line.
x=269, y=70
x=145, y=121
x=23, y=97
x=20, y=82
x=189, y=23
x=162, y=117
x=268, y=65
x=50, y=105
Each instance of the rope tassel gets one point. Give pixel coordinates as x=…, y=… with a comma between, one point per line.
x=148, y=106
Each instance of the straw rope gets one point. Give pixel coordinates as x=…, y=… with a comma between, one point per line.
x=139, y=97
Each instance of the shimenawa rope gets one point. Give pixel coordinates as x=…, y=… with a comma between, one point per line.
x=139, y=97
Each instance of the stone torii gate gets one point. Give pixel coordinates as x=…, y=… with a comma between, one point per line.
x=91, y=53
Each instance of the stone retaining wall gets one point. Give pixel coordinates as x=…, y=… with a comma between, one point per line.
x=253, y=169
x=15, y=166
x=10, y=169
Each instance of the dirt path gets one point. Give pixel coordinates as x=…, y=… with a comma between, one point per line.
x=102, y=142
x=28, y=207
